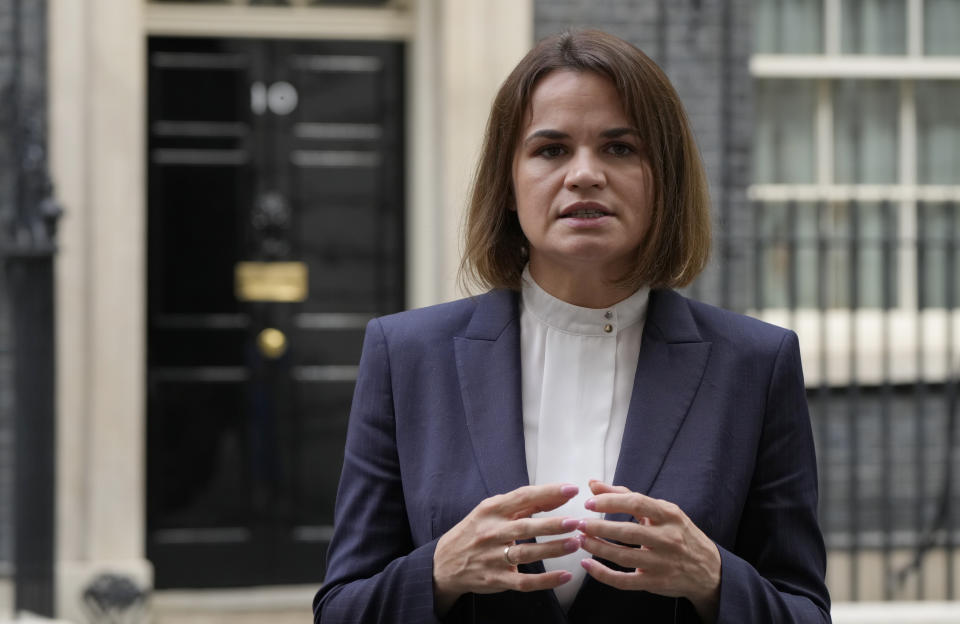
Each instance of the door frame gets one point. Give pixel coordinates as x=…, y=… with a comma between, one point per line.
x=458, y=53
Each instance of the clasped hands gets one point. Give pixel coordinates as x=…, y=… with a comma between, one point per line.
x=668, y=553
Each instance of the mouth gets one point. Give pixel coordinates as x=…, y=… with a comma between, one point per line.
x=585, y=210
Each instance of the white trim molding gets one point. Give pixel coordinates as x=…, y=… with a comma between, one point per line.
x=853, y=192
x=182, y=19
x=926, y=612
x=482, y=42
x=97, y=137
x=871, y=346
x=862, y=67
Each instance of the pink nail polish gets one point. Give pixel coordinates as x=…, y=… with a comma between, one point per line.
x=582, y=525
x=586, y=563
x=565, y=577
x=570, y=524
x=571, y=544
x=590, y=504
x=569, y=490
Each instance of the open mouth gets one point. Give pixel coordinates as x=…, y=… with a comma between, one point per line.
x=586, y=213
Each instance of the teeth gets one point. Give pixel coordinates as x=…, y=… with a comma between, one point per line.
x=586, y=214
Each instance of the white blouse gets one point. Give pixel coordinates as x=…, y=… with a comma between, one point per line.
x=577, y=368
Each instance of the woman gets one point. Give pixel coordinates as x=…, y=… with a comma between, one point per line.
x=581, y=443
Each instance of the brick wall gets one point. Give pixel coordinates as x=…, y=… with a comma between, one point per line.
x=704, y=46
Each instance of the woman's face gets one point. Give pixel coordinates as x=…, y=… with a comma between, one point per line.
x=581, y=180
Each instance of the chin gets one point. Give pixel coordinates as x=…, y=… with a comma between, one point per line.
x=587, y=257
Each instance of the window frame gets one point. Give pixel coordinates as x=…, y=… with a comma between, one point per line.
x=841, y=345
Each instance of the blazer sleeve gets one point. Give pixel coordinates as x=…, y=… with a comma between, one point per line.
x=776, y=572
x=374, y=572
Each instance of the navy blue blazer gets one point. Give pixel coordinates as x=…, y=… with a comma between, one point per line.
x=717, y=423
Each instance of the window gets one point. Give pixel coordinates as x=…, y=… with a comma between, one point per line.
x=857, y=154
x=856, y=211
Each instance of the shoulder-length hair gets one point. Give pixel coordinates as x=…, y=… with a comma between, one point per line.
x=676, y=246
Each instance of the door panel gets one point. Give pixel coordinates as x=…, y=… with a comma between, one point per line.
x=262, y=151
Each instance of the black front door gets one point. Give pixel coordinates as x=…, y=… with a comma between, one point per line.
x=275, y=233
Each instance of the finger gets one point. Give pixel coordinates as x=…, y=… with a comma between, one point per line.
x=528, y=553
x=535, y=582
x=530, y=499
x=599, y=487
x=625, y=556
x=613, y=578
x=633, y=533
x=525, y=528
x=637, y=505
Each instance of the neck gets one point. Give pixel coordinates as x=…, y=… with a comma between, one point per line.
x=584, y=288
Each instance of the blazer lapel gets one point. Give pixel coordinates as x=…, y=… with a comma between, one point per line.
x=488, y=366
x=670, y=367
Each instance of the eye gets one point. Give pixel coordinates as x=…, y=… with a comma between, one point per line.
x=551, y=151
x=620, y=149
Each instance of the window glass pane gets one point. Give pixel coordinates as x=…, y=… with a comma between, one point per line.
x=784, y=133
x=874, y=225
x=788, y=26
x=938, y=132
x=807, y=252
x=860, y=257
x=941, y=23
x=774, y=254
x=874, y=27
x=865, y=131
x=788, y=254
x=834, y=265
x=939, y=231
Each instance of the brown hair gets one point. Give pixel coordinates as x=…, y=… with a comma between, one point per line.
x=677, y=244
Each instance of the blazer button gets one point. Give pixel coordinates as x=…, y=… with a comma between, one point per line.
x=608, y=328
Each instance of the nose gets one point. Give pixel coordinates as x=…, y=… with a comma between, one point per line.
x=585, y=171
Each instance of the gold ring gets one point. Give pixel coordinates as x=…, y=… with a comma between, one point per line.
x=506, y=555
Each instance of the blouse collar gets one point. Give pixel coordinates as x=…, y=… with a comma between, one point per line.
x=573, y=319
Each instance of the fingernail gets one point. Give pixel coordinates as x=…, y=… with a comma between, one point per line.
x=569, y=490
x=571, y=544
x=586, y=563
x=570, y=524
x=581, y=539
x=565, y=577
x=582, y=525
x=591, y=504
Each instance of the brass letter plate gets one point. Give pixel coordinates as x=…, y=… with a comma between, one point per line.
x=271, y=281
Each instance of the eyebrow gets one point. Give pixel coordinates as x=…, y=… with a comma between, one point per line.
x=614, y=133
x=549, y=133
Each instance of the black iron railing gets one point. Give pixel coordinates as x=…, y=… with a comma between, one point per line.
x=872, y=289
x=26, y=253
